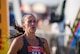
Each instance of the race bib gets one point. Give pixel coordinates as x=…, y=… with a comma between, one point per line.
x=35, y=50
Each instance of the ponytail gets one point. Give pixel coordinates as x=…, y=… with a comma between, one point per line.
x=19, y=30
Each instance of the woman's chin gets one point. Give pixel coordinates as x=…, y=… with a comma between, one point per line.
x=33, y=31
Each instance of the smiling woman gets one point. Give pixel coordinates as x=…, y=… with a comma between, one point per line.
x=29, y=43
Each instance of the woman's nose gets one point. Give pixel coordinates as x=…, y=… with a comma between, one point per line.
x=33, y=23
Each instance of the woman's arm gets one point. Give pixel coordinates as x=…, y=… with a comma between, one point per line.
x=15, y=46
x=46, y=46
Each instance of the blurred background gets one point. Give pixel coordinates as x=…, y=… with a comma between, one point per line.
x=58, y=22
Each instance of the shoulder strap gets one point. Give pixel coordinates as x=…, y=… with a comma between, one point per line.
x=25, y=41
x=24, y=49
x=40, y=42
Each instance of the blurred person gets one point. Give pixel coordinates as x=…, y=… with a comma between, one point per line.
x=29, y=43
x=11, y=15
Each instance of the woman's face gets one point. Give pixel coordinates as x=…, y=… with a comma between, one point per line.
x=30, y=23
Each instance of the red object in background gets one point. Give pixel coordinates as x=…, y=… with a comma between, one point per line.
x=1, y=42
x=1, y=47
x=0, y=37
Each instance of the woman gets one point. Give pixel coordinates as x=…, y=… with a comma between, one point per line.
x=29, y=43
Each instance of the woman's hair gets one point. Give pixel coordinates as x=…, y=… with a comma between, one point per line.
x=18, y=30
x=33, y=14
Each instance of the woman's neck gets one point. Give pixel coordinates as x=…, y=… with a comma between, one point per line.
x=30, y=35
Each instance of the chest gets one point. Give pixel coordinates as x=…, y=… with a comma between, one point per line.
x=33, y=42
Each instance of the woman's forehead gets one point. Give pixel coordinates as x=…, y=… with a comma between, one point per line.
x=29, y=17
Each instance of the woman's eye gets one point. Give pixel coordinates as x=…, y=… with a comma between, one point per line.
x=32, y=21
x=29, y=21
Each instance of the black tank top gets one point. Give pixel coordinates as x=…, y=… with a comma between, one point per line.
x=28, y=49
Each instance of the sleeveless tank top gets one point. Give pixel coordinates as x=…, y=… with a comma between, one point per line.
x=28, y=49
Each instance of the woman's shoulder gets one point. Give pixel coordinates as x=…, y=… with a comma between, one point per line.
x=16, y=44
x=42, y=39
x=18, y=40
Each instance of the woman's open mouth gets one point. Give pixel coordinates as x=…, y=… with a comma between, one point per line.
x=33, y=28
